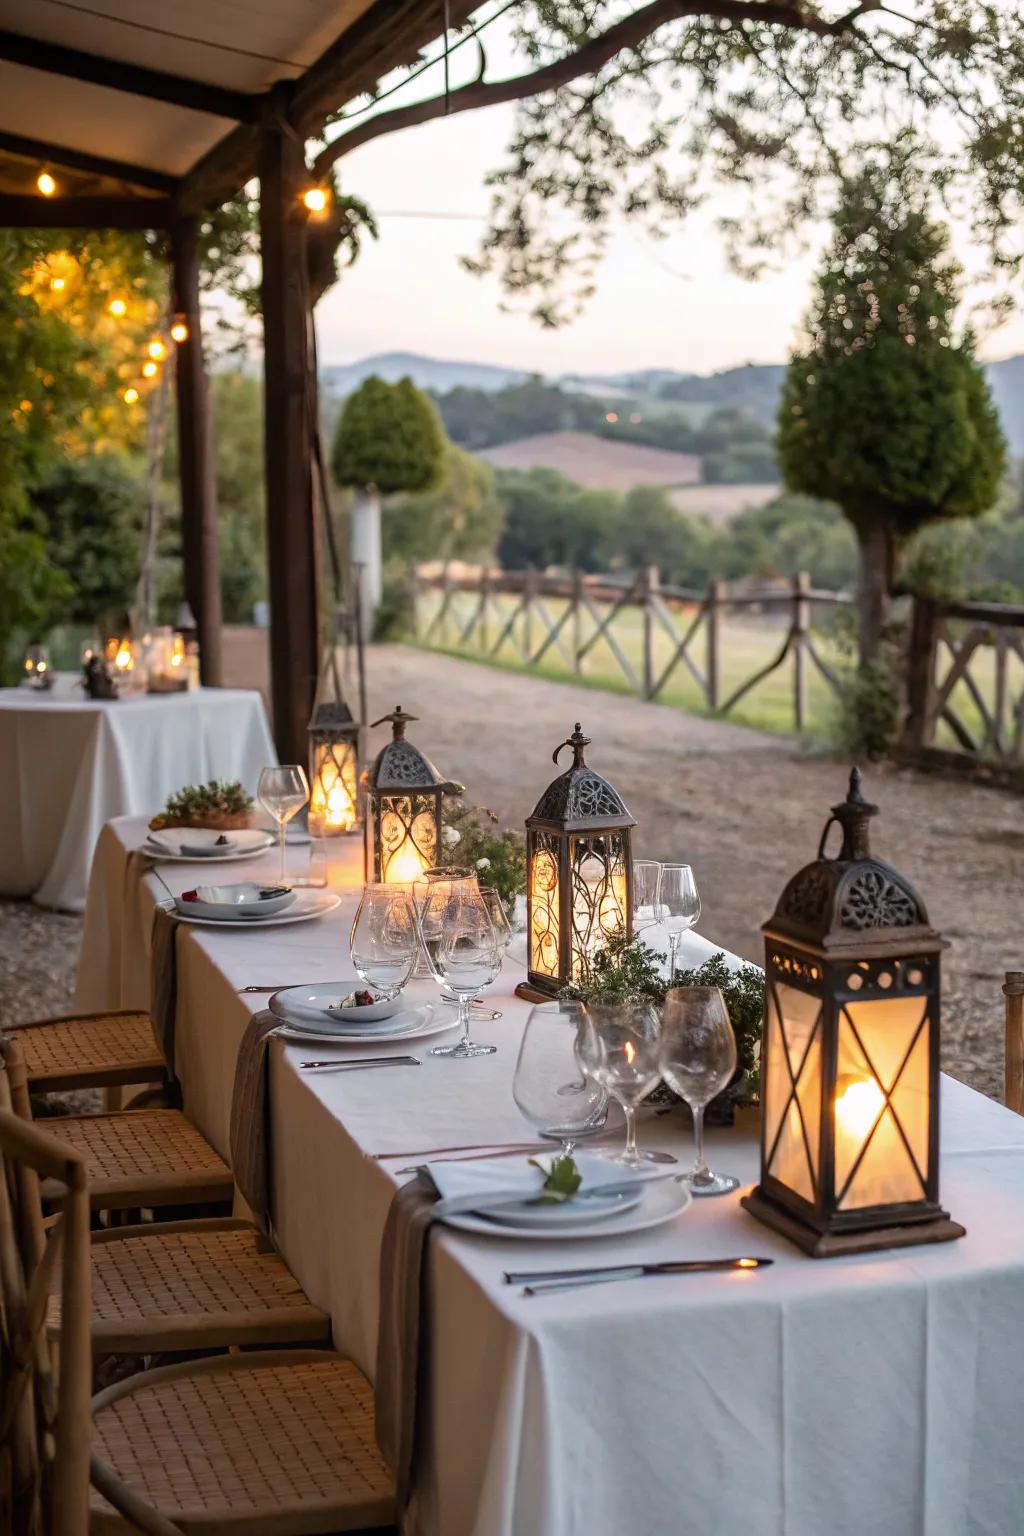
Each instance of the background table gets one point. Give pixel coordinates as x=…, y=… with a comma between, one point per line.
x=68, y=764
x=878, y=1393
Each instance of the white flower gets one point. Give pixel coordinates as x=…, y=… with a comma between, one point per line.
x=483, y=863
x=450, y=836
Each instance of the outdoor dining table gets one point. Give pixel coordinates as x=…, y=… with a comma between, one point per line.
x=68, y=764
x=875, y=1393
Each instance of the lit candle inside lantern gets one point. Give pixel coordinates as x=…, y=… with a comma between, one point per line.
x=857, y=1107
x=333, y=796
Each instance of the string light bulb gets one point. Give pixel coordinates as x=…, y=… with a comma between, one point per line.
x=57, y=284
x=118, y=308
x=130, y=395
x=179, y=329
x=157, y=349
x=45, y=184
x=315, y=199
x=150, y=370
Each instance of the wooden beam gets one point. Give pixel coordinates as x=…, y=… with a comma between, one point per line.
x=292, y=543
x=117, y=75
x=34, y=212
x=199, y=532
x=60, y=155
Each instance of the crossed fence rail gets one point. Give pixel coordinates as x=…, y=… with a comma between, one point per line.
x=539, y=617
x=965, y=684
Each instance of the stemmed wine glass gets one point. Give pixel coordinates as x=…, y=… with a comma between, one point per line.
x=618, y=1048
x=497, y=914
x=547, y=1086
x=384, y=940
x=679, y=907
x=697, y=1057
x=464, y=953
x=282, y=791
x=646, y=880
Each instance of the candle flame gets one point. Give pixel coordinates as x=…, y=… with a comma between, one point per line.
x=747, y=1263
x=630, y=1052
x=859, y=1106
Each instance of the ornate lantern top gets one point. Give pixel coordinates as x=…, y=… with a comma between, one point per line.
x=401, y=766
x=855, y=899
x=333, y=721
x=580, y=798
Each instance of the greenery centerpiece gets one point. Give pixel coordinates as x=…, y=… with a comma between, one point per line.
x=223, y=805
x=474, y=837
x=629, y=970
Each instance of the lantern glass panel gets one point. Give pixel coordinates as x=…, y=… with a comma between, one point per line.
x=882, y=1105
x=332, y=797
x=406, y=836
x=792, y=1090
x=600, y=896
x=544, y=903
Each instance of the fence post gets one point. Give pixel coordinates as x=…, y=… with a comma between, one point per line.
x=648, y=587
x=446, y=597
x=801, y=624
x=526, y=630
x=485, y=598
x=715, y=603
x=577, y=627
x=920, y=724
x=414, y=598
x=1013, y=1086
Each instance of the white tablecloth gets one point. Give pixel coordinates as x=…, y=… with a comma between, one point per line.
x=882, y=1393
x=68, y=764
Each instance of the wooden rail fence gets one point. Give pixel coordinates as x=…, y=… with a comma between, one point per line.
x=541, y=616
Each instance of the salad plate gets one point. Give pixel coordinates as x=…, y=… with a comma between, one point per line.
x=243, y=902
x=325, y=1004
x=660, y=1201
x=411, y=1023
x=307, y=906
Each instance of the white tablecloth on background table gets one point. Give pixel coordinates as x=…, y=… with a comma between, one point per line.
x=68, y=764
x=837, y=1398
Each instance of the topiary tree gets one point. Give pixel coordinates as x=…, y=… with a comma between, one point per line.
x=884, y=411
x=389, y=438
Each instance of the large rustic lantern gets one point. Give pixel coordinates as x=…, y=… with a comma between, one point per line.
x=578, y=872
x=404, y=800
x=333, y=770
x=850, y=1055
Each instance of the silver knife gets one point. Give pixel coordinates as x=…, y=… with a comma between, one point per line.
x=357, y=1066
x=539, y=1282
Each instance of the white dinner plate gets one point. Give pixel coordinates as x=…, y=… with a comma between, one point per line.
x=411, y=1024
x=243, y=902
x=308, y=905
x=167, y=844
x=566, y=1215
x=318, y=1005
x=661, y=1201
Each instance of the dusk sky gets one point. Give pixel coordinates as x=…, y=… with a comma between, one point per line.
x=671, y=304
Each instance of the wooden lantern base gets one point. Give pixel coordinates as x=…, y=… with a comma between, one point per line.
x=532, y=994
x=830, y=1245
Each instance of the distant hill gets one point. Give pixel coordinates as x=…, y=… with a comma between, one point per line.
x=428, y=372
x=597, y=462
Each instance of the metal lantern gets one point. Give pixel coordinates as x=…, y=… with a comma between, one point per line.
x=404, y=799
x=333, y=770
x=850, y=1055
x=38, y=672
x=578, y=872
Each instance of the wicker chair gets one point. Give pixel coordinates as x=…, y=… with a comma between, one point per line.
x=89, y=1050
x=267, y=1444
x=135, y=1159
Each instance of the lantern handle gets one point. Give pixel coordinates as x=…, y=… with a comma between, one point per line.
x=833, y=821
x=577, y=741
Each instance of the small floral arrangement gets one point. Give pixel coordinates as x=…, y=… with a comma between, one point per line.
x=628, y=969
x=215, y=804
x=473, y=836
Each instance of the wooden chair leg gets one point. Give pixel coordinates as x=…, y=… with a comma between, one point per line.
x=1013, y=1090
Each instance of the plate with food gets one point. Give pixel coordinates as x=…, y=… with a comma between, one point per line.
x=328, y=1003
x=304, y=907
x=407, y=1024
x=238, y=903
x=656, y=1202
x=191, y=845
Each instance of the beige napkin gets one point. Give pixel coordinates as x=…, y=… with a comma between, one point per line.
x=400, y=1362
x=250, y=1117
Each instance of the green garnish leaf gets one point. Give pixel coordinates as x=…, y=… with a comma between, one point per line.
x=562, y=1182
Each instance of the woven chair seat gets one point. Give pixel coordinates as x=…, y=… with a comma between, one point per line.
x=193, y=1285
x=280, y=1443
x=144, y=1158
x=91, y=1050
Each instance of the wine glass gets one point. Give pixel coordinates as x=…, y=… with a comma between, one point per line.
x=646, y=879
x=384, y=941
x=463, y=950
x=497, y=914
x=449, y=877
x=282, y=791
x=618, y=1048
x=697, y=1057
x=547, y=1086
x=679, y=907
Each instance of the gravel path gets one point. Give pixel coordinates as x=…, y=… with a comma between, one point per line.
x=743, y=807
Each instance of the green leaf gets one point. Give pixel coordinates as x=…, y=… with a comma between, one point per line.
x=562, y=1182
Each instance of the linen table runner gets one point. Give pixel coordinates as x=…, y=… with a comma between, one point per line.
x=163, y=982
x=400, y=1364
x=250, y=1117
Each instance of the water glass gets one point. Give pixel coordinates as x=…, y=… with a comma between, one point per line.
x=646, y=880
x=463, y=950
x=679, y=907
x=384, y=939
x=283, y=791
x=697, y=1057
x=497, y=914
x=547, y=1086
x=618, y=1049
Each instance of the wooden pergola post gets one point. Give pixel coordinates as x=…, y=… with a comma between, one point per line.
x=199, y=534
x=292, y=543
